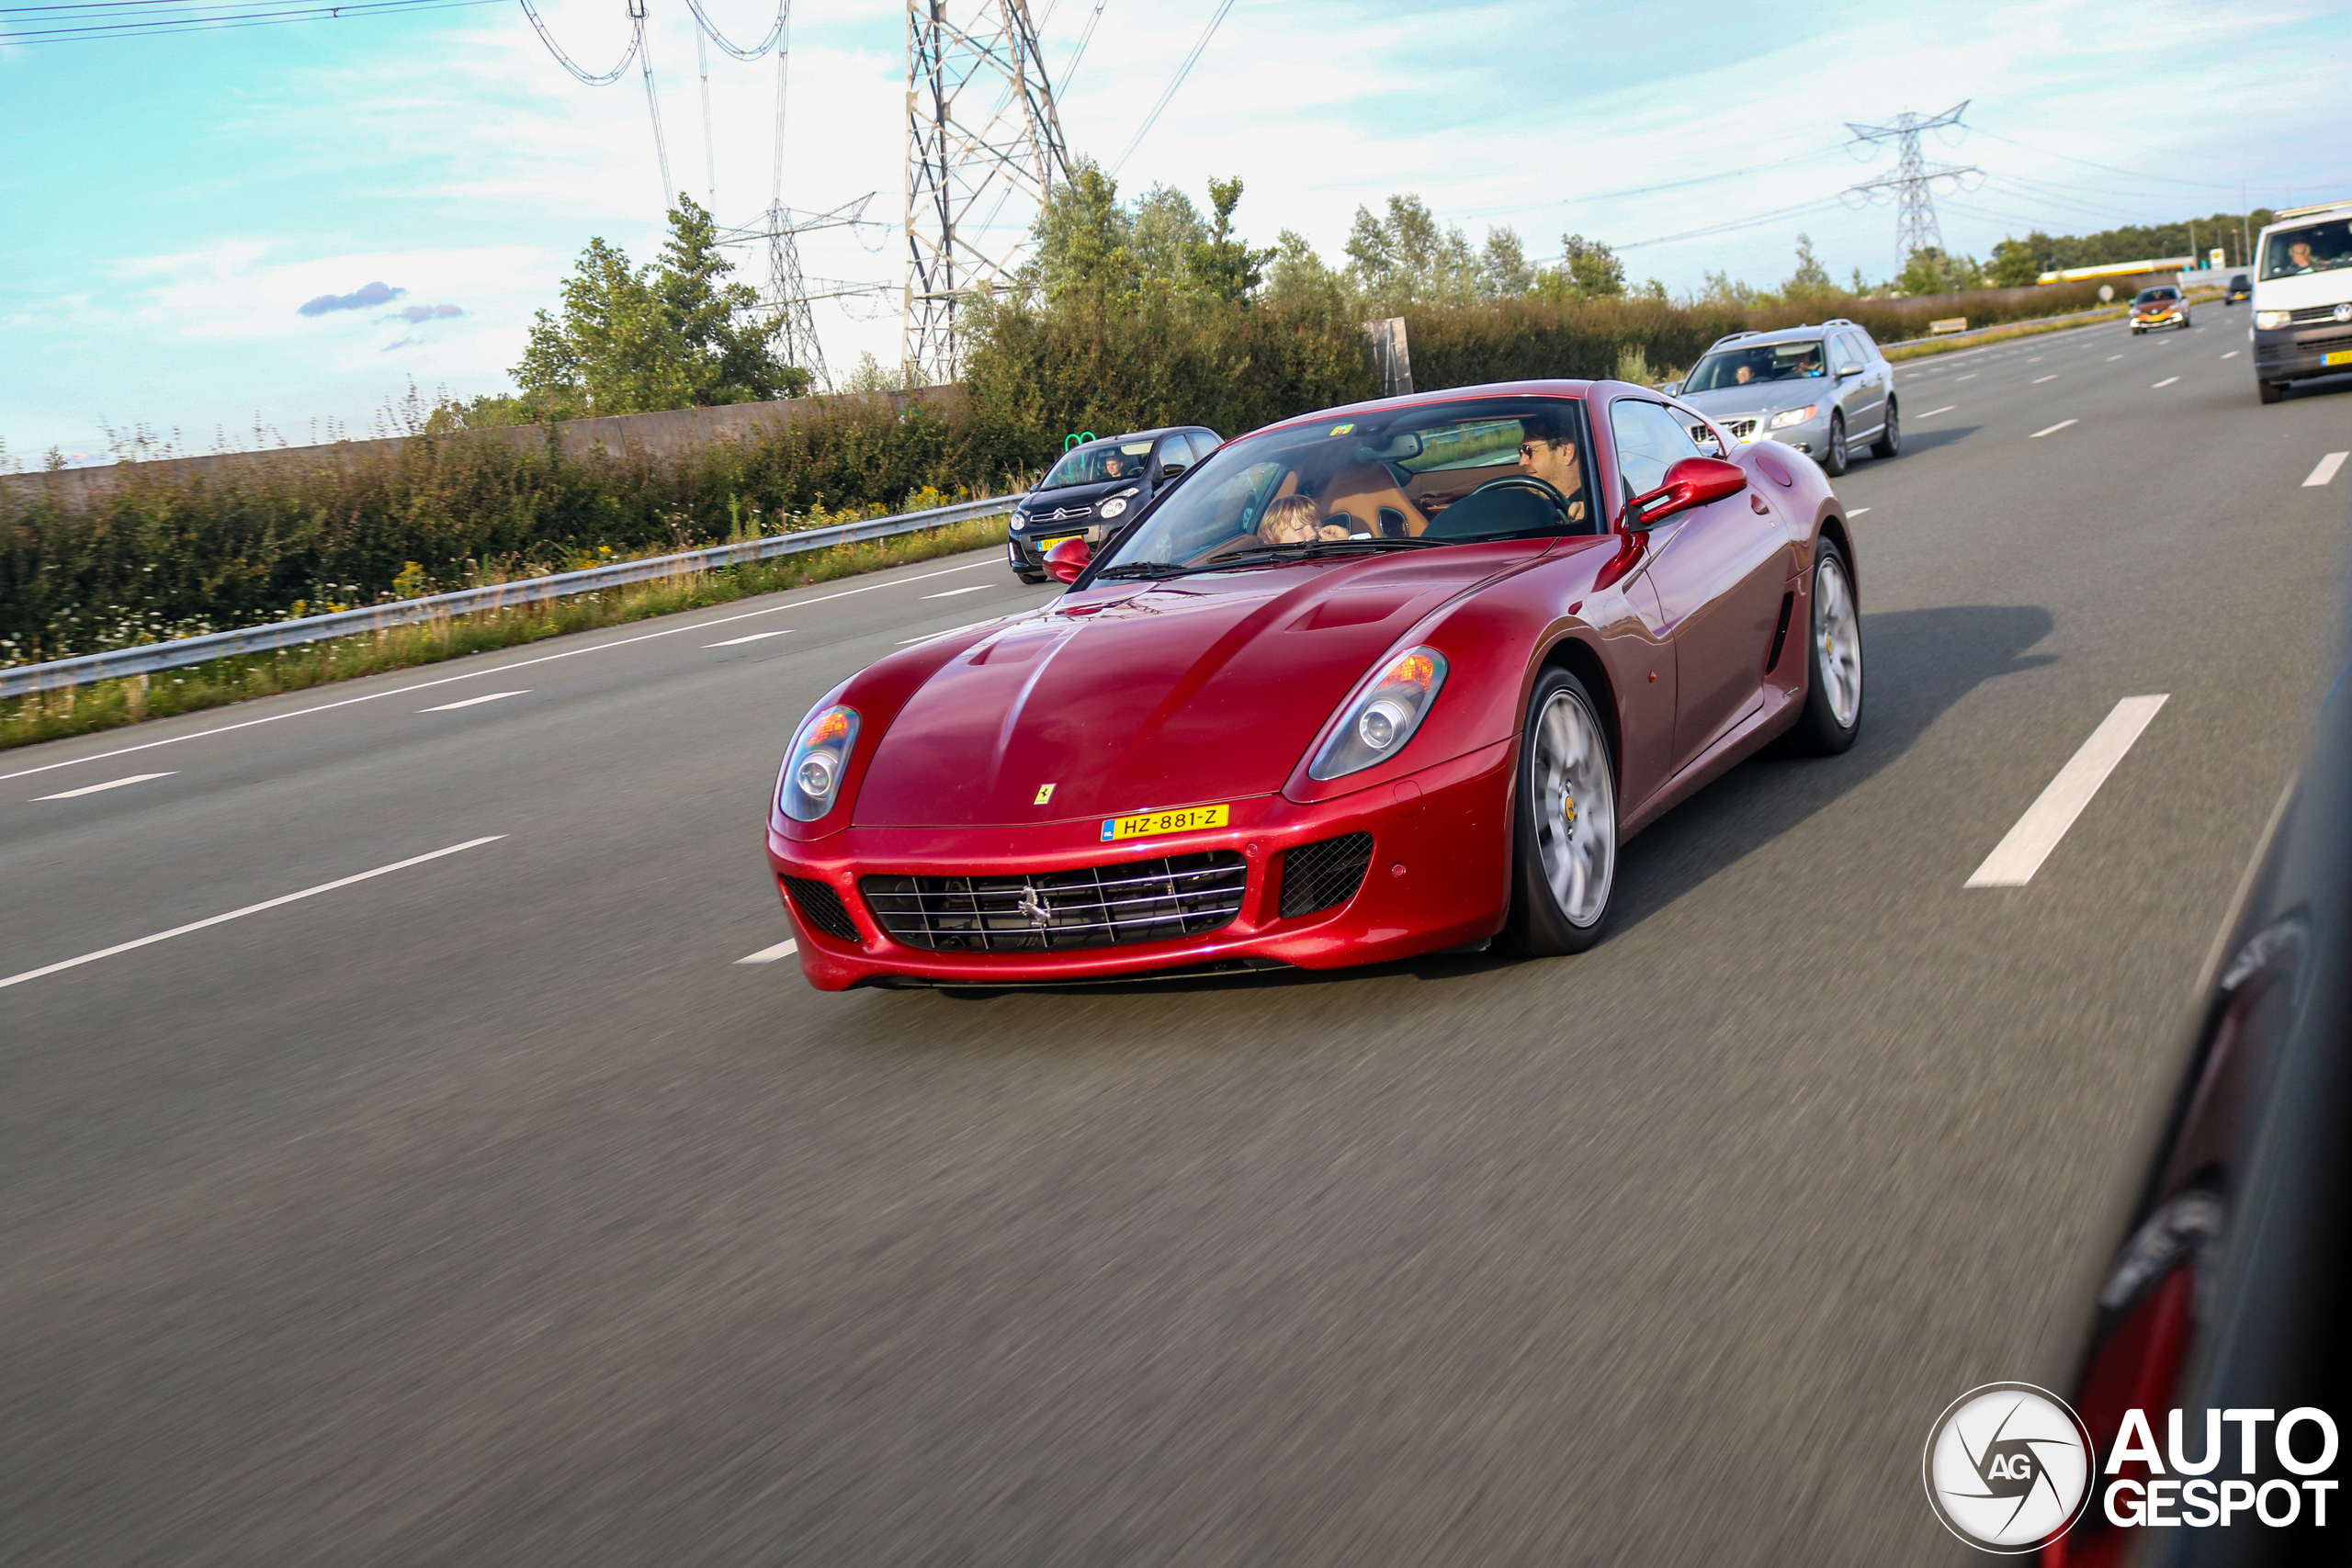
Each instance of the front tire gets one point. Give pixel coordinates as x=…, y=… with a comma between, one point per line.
x=1564, y=844
x=1833, y=700
x=1890, y=440
x=1833, y=461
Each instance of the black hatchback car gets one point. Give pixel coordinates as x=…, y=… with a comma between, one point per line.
x=2241, y=288
x=1097, y=487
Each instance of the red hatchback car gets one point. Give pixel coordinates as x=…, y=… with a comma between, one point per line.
x=1384, y=681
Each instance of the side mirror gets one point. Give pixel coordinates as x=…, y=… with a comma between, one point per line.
x=1846, y=370
x=1694, y=482
x=1072, y=556
x=1169, y=471
x=1672, y=388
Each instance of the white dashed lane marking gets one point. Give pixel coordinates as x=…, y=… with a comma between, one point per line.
x=2166, y=382
x=2113, y=357
x=1856, y=511
x=770, y=955
x=2326, y=470
x=1932, y=412
x=248, y=910
x=755, y=636
x=2232, y=354
x=475, y=702
x=142, y=778
x=2038, y=381
x=2052, y=431
x=2017, y=857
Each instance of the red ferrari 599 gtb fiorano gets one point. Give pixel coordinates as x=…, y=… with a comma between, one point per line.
x=1378, y=681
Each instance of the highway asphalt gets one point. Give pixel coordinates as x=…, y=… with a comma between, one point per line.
x=489, y=1211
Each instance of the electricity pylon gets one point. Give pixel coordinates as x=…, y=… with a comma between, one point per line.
x=1915, y=212
x=982, y=135
x=788, y=292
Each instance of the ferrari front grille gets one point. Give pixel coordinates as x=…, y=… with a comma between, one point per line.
x=1094, y=906
x=820, y=908
x=1320, y=874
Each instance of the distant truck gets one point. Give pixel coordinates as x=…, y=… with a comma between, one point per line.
x=2303, y=298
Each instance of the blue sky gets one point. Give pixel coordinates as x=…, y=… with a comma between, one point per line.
x=281, y=227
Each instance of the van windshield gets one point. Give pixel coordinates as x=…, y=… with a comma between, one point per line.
x=2321, y=247
x=1388, y=478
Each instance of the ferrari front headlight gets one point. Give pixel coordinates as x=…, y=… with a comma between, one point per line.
x=813, y=769
x=2271, y=320
x=1794, y=416
x=1376, y=724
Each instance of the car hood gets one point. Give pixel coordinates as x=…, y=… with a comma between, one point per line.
x=1133, y=698
x=1072, y=497
x=1741, y=403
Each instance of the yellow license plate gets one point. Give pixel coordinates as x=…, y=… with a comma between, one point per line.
x=1151, y=824
x=2339, y=356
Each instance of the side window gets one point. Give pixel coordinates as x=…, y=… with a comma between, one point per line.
x=1849, y=353
x=1175, y=456
x=1869, y=345
x=1649, y=441
x=1204, y=443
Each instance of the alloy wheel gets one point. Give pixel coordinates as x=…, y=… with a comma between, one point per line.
x=1837, y=633
x=1576, y=808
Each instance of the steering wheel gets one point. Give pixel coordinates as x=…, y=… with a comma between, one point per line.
x=1544, y=488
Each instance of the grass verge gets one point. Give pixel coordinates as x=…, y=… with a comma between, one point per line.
x=107, y=705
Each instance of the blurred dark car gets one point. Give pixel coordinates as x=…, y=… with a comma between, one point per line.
x=2241, y=288
x=2230, y=1291
x=2162, y=306
x=1097, y=487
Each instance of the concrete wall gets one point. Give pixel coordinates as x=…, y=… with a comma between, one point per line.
x=660, y=436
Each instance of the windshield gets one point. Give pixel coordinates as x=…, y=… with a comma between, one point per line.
x=1099, y=464
x=2155, y=296
x=2323, y=247
x=1397, y=478
x=1765, y=362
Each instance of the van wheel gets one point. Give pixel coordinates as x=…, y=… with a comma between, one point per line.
x=2270, y=391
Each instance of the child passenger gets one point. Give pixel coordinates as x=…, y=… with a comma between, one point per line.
x=1295, y=520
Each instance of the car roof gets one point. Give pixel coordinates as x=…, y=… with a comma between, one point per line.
x=1142, y=436
x=1785, y=334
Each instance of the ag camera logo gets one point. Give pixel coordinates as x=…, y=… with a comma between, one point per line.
x=2007, y=1467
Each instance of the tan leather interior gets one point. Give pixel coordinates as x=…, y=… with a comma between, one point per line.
x=1361, y=490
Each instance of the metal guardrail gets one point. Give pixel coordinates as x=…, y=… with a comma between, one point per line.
x=25, y=679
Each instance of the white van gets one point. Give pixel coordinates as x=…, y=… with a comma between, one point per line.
x=2303, y=298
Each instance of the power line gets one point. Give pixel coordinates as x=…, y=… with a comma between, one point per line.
x=1182, y=71
x=1771, y=217
x=61, y=30
x=592, y=78
x=652, y=103
x=1648, y=190
x=753, y=51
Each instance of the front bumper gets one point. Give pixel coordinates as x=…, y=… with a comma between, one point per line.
x=2169, y=319
x=2318, y=348
x=1439, y=878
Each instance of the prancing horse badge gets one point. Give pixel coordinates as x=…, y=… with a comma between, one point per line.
x=1045, y=796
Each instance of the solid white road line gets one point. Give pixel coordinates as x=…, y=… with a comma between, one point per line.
x=2232, y=354
x=770, y=955
x=248, y=910
x=755, y=636
x=2166, y=382
x=2052, y=431
x=950, y=593
x=2326, y=470
x=1932, y=412
x=93, y=789
x=506, y=669
x=475, y=702
x=2038, y=381
x=2017, y=857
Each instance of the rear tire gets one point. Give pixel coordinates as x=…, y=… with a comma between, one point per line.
x=1890, y=440
x=1833, y=460
x=1564, y=840
x=2270, y=391
x=1833, y=698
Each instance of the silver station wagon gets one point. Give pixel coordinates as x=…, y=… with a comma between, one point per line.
x=1820, y=389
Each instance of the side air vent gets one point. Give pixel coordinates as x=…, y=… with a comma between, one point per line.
x=819, y=905
x=1780, y=632
x=1324, y=873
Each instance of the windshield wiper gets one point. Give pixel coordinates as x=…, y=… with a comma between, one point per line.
x=1313, y=549
x=1139, y=569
